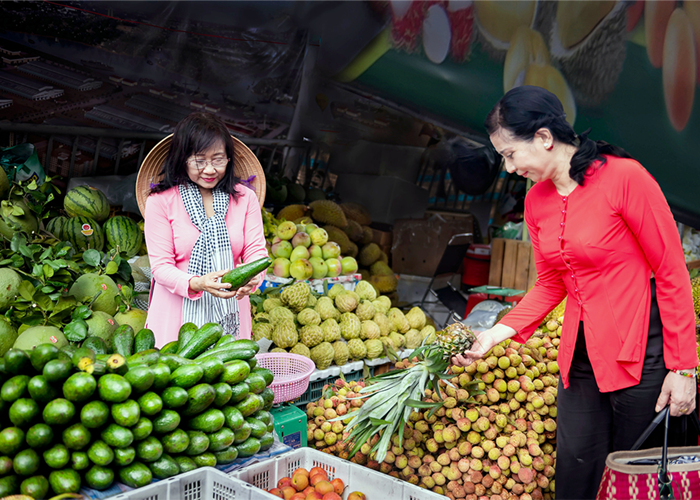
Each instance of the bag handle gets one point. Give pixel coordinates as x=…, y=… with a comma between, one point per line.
x=665, y=490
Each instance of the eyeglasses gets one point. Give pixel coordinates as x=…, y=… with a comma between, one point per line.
x=217, y=163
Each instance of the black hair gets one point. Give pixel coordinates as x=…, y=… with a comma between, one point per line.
x=524, y=110
x=194, y=134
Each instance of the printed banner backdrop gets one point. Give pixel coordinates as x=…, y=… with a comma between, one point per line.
x=628, y=70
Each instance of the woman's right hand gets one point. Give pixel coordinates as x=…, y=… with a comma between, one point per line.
x=210, y=283
x=484, y=343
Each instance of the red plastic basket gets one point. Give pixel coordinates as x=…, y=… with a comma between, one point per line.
x=291, y=372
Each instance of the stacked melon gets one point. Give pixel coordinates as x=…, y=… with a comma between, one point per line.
x=87, y=207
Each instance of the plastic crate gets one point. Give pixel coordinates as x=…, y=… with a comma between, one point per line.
x=206, y=483
x=319, y=378
x=373, y=484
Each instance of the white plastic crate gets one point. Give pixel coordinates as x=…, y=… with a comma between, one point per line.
x=205, y=483
x=373, y=484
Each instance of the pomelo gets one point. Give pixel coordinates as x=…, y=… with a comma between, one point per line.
x=8, y=336
x=36, y=335
x=100, y=324
x=89, y=284
x=9, y=287
x=135, y=318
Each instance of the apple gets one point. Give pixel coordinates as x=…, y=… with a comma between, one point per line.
x=315, y=251
x=331, y=250
x=332, y=495
x=323, y=486
x=276, y=239
x=285, y=481
x=320, y=268
x=301, y=269
x=280, y=267
x=301, y=239
x=349, y=265
x=357, y=495
x=282, y=249
x=334, y=268
x=301, y=228
x=300, y=252
x=314, y=496
x=289, y=492
x=319, y=237
x=286, y=230
x=300, y=481
x=338, y=485
x=298, y=496
x=277, y=492
x=310, y=228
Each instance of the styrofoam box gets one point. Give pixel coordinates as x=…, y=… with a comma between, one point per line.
x=373, y=484
x=205, y=483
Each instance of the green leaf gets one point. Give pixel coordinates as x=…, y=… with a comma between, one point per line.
x=48, y=271
x=76, y=330
x=33, y=319
x=43, y=301
x=46, y=253
x=81, y=312
x=24, y=250
x=17, y=211
x=92, y=257
x=32, y=185
x=377, y=422
x=26, y=290
x=17, y=261
x=5, y=262
x=414, y=403
x=64, y=251
x=125, y=271
x=38, y=271
x=112, y=267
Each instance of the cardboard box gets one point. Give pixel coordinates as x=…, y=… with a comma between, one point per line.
x=419, y=243
x=382, y=238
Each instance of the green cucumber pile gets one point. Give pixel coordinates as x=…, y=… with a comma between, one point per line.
x=86, y=417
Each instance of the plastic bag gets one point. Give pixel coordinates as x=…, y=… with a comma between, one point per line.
x=119, y=189
x=484, y=314
x=21, y=164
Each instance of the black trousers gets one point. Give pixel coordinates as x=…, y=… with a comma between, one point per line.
x=592, y=424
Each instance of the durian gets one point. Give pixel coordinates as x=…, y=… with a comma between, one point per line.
x=356, y=212
x=328, y=212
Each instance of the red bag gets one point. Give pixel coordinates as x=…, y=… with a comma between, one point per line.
x=656, y=473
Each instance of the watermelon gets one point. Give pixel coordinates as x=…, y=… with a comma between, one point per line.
x=124, y=233
x=86, y=201
x=83, y=233
x=55, y=226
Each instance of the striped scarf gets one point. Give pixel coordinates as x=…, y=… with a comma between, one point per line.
x=212, y=252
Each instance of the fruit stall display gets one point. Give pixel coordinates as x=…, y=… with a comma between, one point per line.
x=326, y=239
x=339, y=326
x=489, y=431
x=121, y=410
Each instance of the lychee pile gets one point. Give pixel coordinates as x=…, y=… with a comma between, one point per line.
x=340, y=326
x=312, y=485
x=494, y=437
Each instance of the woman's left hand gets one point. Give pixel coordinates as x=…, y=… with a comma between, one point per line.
x=248, y=289
x=678, y=392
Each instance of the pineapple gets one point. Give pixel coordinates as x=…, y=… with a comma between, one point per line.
x=455, y=339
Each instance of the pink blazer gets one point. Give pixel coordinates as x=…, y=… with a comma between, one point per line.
x=170, y=238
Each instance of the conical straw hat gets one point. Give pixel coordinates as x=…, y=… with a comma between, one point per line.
x=245, y=164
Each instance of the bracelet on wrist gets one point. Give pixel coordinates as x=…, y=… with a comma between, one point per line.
x=686, y=373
